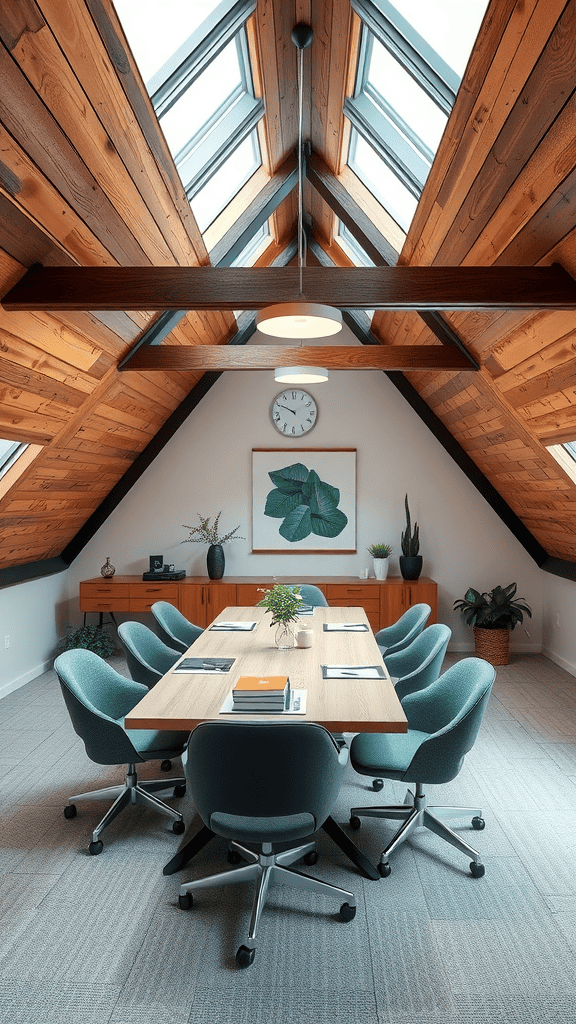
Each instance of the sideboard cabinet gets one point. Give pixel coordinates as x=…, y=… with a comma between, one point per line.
x=201, y=599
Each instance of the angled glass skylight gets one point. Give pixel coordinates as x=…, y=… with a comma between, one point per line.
x=412, y=57
x=10, y=451
x=565, y=455
x=201, y=90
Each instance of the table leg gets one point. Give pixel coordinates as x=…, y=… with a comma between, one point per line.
x=338, y=836
x=189, y=850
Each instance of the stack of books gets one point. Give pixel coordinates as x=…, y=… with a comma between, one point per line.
x=261, y=693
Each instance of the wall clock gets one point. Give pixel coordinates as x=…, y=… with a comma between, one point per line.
x=294, y=412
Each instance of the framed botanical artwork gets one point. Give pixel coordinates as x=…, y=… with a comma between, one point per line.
x=304, y=500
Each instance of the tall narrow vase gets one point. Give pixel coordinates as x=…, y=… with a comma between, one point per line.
x=215, y=561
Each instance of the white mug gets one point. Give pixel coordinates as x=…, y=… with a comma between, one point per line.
x=305, y=637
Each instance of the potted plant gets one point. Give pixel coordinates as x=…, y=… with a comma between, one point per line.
x=206, y=534
x=410, y=560
x=380, y=553
x=91, y=638
x=283, y=602
x=493, y=616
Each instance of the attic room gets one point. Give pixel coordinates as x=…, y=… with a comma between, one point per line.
x=397, y=137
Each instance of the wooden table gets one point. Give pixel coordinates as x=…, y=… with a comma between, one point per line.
x=182, y=701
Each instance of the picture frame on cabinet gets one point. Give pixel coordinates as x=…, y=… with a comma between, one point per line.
x=304, y=501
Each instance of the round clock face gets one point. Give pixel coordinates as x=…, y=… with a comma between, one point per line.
x=294, y=412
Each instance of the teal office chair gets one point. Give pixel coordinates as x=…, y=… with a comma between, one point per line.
x=148, y=658
x=402, y=632
x=98, y=698
x=264, y=783
x=311, y=595
x=173, y=628
x=417, y=665
x=443, y=722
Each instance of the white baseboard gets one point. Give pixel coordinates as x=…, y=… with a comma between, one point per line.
x=567, y=665
x=15, y=684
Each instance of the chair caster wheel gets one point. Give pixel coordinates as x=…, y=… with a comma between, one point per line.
x=179, y=790
x=166, y=765
x=478, y=823
x=95, y=848
x=311, y=857
x=347, y=913
x=477, y=870
x=70, y=811
x=377, y=785
x=355, y=822
x=245, y=956
x=384, y=869
x=178, y=828
x=185, y=901
x=233, y=857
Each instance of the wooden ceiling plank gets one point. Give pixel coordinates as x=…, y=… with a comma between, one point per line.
x=418, y=288
x=265, y=357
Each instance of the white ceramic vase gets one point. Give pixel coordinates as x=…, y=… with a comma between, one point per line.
x=381, y=568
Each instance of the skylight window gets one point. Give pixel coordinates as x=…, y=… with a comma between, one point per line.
x=260, y=241
x=565, y=455
x=409, y=71
x=10, y=451
x=202, y=93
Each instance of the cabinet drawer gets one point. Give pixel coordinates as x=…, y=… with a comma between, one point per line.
x=116, y=604
x=104, y=590
x=248, y=594
x=155, y=591
x=104, y=597
x=349, y=593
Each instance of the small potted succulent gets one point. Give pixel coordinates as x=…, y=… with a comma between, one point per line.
x=493, y=616
x=380, y=553
x=284, y=603
x=206, y=534
x=91, y=638
x=410, y=560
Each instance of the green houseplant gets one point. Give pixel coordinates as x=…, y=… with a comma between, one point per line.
x=380, y=553
x=493, y=615
x=283, y=602
x=91, y=638
x=206, y=534
x=410, y=559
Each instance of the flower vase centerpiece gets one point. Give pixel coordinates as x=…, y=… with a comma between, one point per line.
x=206, y=534
x=380, y=554
x=284, y=603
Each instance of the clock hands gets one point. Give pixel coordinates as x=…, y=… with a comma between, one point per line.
x=293, y=411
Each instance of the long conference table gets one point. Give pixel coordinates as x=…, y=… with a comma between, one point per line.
x=181, y=701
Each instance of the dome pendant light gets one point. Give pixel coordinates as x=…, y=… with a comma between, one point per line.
x=300, y=319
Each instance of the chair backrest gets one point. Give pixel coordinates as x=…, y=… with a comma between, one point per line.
x=263, y=770
x=402, y=632
x=311, y=595
x=173, y=628
x=450, y=711
x=420, y=663
x=148, y=658
x=98, y=698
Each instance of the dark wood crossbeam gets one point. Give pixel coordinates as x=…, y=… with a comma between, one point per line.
x=418, y=288
x=267, y=357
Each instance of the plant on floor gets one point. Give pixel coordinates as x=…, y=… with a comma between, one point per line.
x=283, y=602
x=91, y=638
x=494, y=609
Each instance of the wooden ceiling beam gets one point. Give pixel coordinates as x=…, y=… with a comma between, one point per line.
x=268, y=357
x=224, y=288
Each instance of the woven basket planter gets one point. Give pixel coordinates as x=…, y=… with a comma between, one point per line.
x=493, y=645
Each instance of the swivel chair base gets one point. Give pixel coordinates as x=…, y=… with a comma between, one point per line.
x=414, y=813
x=132, y=792
x=267, y=868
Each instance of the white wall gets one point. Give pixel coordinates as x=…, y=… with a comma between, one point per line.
x=207, y=467
x=559, y=621
x=31, y=615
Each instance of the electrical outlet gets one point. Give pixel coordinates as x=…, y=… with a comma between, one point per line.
x=557, y=620
x=6, y=642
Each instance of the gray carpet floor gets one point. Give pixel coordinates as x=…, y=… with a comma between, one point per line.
x=101, y=940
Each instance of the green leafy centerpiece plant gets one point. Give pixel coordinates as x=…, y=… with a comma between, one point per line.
x=90, y=638
x=284, y=603
x=380, y=553
x=206, y=534
x=410, y=560
x=493, y=615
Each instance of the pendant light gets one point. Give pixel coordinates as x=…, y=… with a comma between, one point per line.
x=300, y=319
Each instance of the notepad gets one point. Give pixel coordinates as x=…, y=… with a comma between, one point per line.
x=203, y=666
x=353, y=672
x=231, y=627
x=305, y=609
x=297, y=706
x=345, y=627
